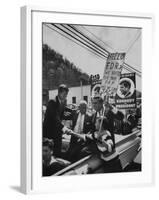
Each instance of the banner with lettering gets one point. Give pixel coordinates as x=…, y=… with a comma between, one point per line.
x=112, y=73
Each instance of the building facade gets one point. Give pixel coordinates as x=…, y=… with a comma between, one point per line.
x=75, y=94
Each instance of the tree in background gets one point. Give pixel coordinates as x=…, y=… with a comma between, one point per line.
x=58, y=70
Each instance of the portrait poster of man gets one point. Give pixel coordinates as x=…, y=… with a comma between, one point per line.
x=96, y=90
x=81, y=132
x=126, y=93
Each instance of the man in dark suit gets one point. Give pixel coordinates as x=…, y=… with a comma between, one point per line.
x=110, y=113
x=81, y=125
x=129, y=122
x=52, y=125
x=103, y=134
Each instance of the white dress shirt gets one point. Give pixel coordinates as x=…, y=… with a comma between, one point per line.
x=79, y=123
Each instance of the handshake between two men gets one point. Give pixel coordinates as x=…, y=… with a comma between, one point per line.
x=101, y=139
x=68, y=131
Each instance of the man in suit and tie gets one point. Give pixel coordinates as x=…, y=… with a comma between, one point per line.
x=81, y=125
x=103, y=134
x=110, y=112
x=52, y=125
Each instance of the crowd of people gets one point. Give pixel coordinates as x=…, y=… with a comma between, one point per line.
x=91, y=133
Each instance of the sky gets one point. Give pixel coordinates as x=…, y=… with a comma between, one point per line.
x=113, y=39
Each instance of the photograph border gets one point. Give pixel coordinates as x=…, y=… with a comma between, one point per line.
x=28, y=71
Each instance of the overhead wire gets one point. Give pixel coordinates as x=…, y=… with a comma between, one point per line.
x=97, y=45
x=114, y=49
x=78, y=40
x=124, y=62
x=69, y=28
x=87, y=44
x=75, y=42
x=132, y=68
x=132, y=44
x=98, y=38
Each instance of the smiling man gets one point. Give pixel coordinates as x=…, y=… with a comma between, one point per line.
x=125, y=89
x=52, y=125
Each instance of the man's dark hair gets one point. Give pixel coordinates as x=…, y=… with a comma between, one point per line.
x=48, y=142
x=63, y=88
x=98, y=98
x=126, y=84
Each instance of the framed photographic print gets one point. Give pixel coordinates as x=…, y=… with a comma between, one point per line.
x=86, y=118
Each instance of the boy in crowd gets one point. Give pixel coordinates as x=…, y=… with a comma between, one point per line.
x=51, y=164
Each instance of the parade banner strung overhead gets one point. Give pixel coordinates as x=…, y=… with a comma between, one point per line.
x=126, y=93
x=112, y=73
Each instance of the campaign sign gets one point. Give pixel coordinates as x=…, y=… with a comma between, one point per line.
x=126, y=93
x=96, y=88
x=112, y=73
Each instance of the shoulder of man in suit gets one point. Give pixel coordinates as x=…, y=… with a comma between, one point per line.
x=51, y=102
x=56, y=99
x=87, y=114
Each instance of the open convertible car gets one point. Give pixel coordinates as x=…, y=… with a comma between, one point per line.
x=128, y=148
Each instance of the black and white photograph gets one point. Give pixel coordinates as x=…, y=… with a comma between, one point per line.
x=91, y=99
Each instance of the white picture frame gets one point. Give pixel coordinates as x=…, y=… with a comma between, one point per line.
x=31, y=101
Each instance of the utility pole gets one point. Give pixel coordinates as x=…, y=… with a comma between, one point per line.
x=81, y=89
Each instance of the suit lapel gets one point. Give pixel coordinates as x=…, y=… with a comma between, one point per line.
x=75, y=119
x=60, y=108
x=94, y=117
